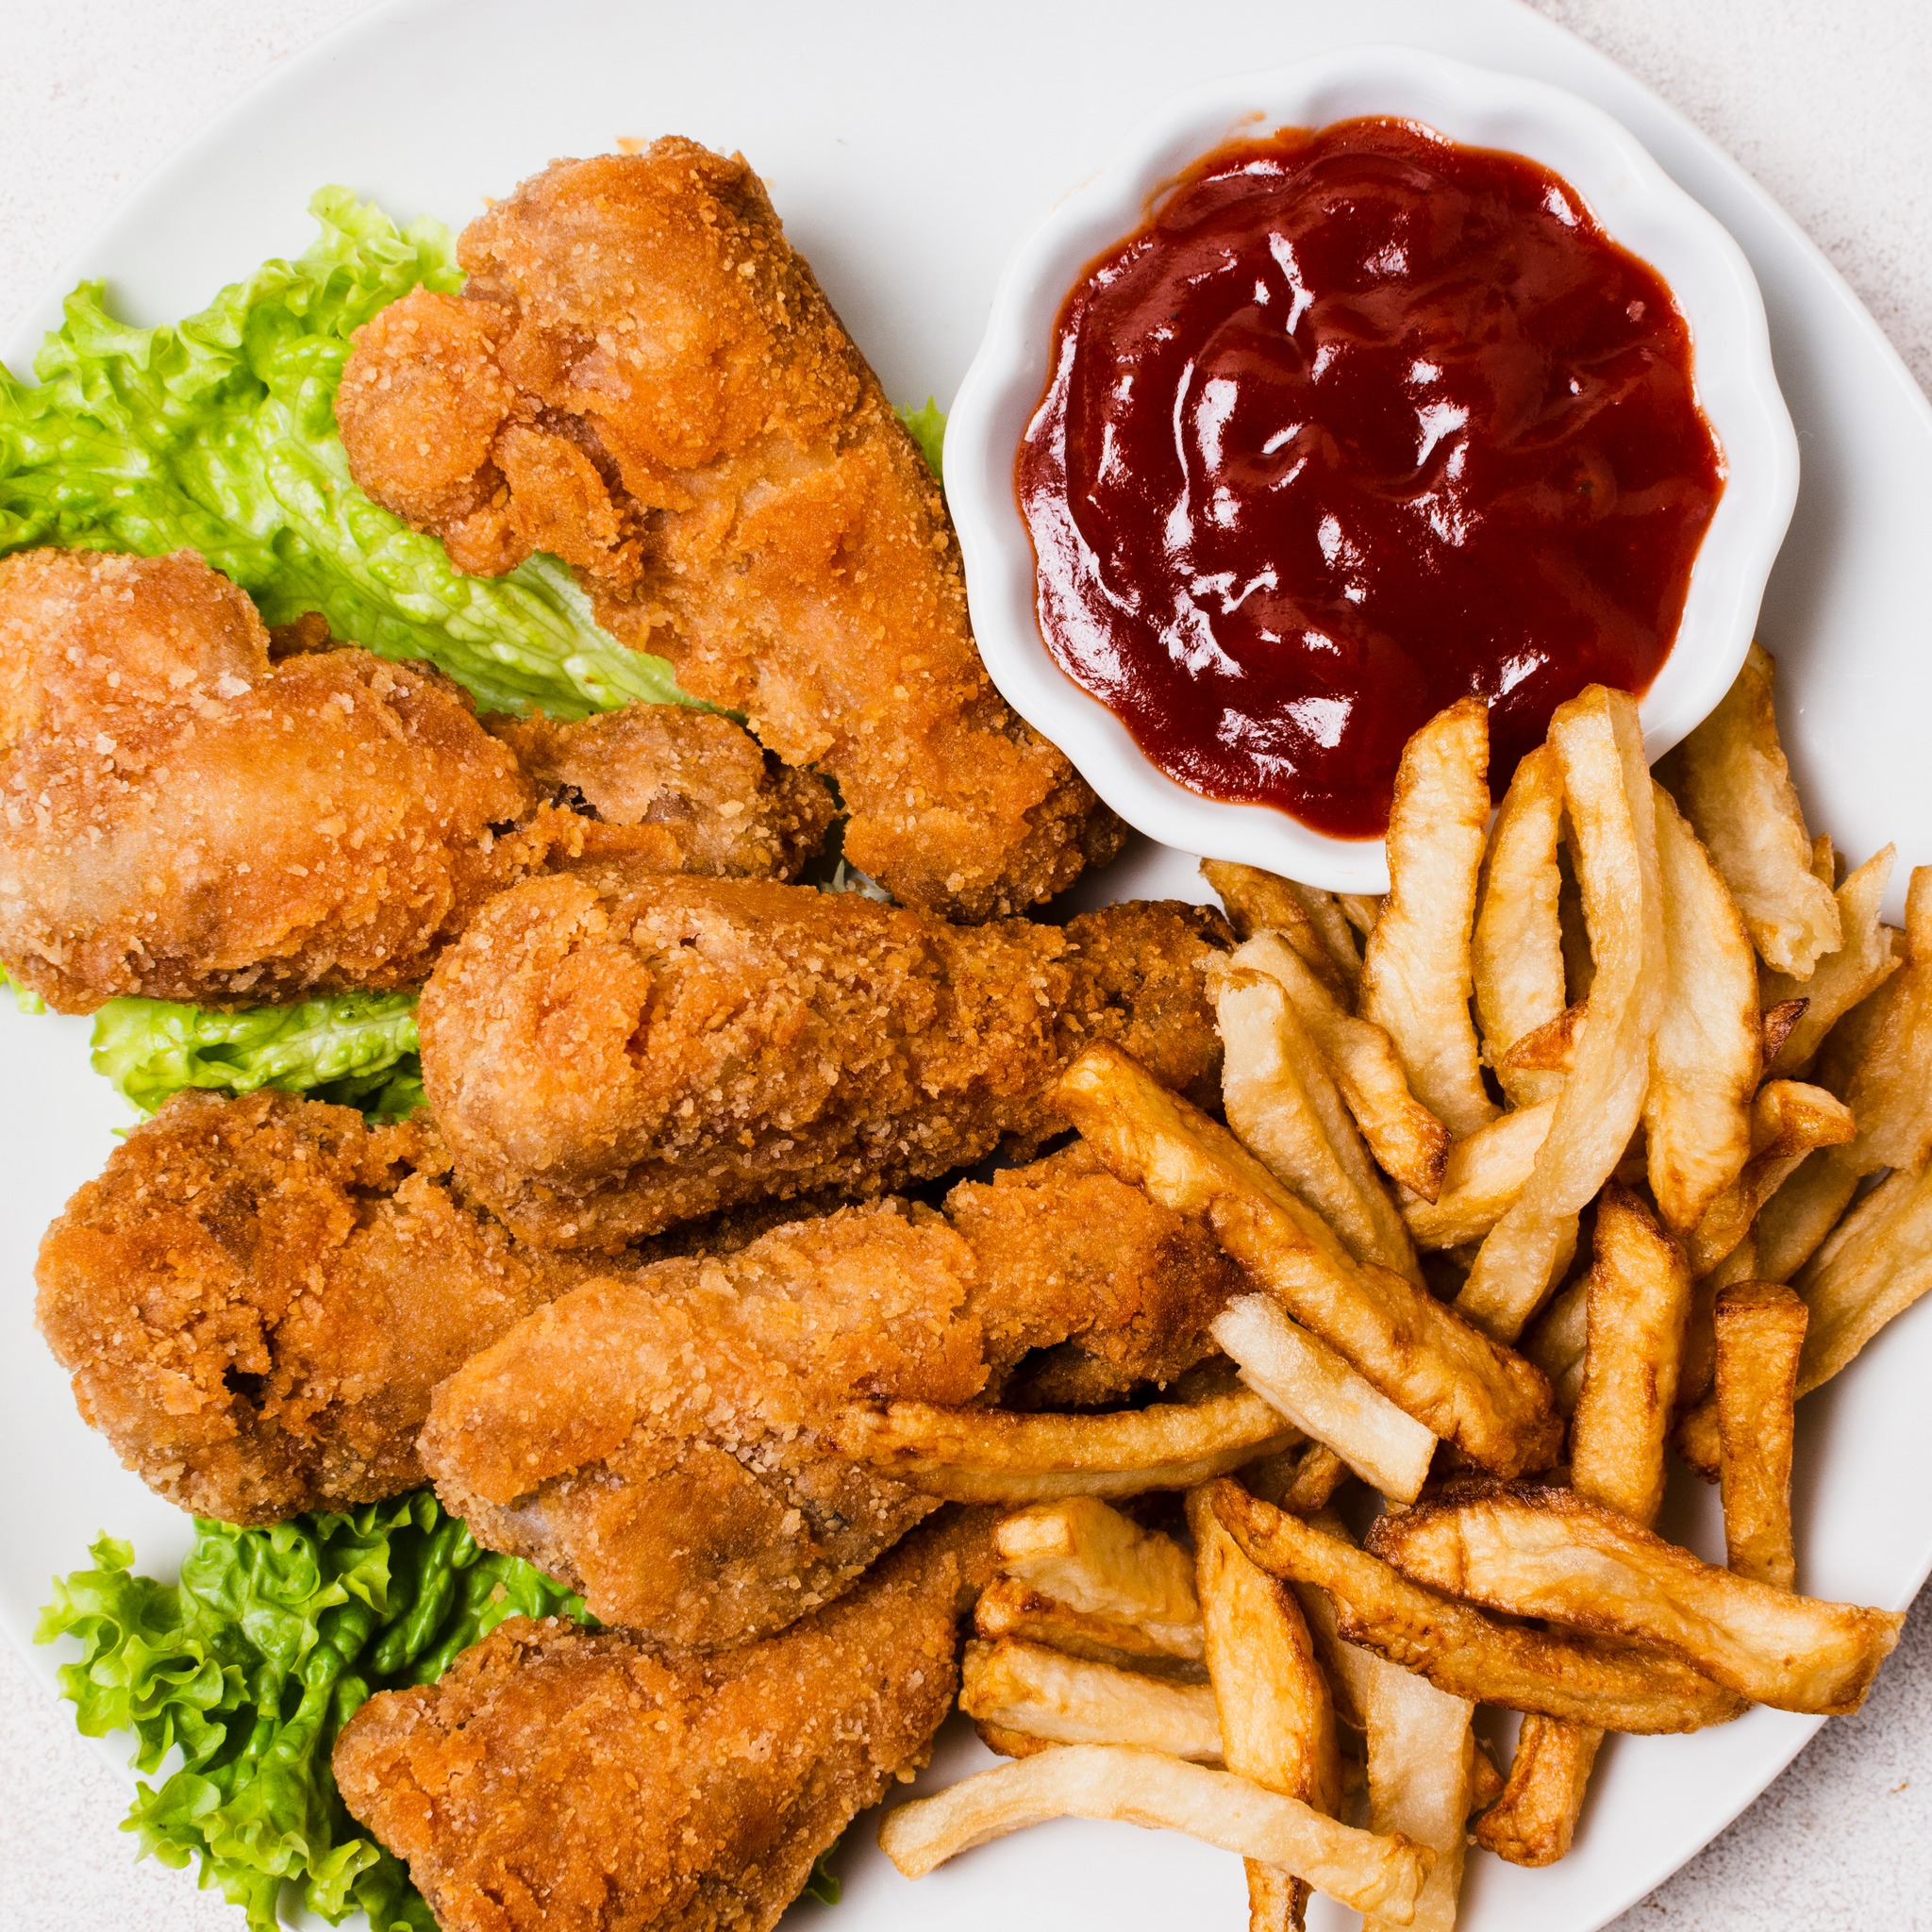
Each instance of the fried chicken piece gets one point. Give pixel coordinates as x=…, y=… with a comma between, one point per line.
x=191, y=809
x=180, y=817
x=257, y=1296
x=644, y=379
x=557, y=1780
x=609, y=1053
x=654, y=1437
x=676, y=789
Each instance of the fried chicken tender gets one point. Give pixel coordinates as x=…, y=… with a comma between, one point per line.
x=189, y=810
x=674, y=788
x=643, y=379
x=609, y=1053
x=557, y=1780
x=181, y=818
x=651, y=1437
x=257, y=1296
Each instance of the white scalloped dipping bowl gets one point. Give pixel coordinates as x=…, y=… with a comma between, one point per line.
x=1638, y=205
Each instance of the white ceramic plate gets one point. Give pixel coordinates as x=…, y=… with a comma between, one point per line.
x=907, y=146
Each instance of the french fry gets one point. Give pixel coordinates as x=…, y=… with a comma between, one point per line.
x=1737, y=791
x=1302, y=1479
x=1761, y=1333
x=1788, y=1120
x=1840, y=980
x=1098, y=1561
x=1779, y=1023
x=1549, y=1051
x=1534, y=1822
x=1608, y=794
x=1579, y=967
x=1481, y=1178
x=1432, y=1365
x=1308, y=918
x=1530, y=1550
x=1559, y=1338
x=1407, y=1140
x=1277, y=1721
x=1876, y=1263
x=1811, y=1201
x=1356, y=1868
x=1889, y=1085
x=1281, y=1100
x=1700, y=1330
x=1615, y=1686
x=1421, y=1768
x=1416, y=973
x=1515, y=955
x=1708, y=1053
x=1008, y=1744
x=1009, y=1607
x=1361, y=909
x=990, y=1455
x=1637, y=1300
x=1324, y=1398
x=1824, y=860
x=1032, y=1688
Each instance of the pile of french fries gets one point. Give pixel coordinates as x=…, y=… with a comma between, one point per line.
x=1606, y=1130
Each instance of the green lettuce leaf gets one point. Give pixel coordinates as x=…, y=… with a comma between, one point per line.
x=357, y=1049
x=252, y=1663
x=218, y=433
x=23, y=1001
x=928, y=427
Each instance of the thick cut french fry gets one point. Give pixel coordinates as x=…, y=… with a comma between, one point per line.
x=1356, y=1868
x=1608, y=794
x=1277, y=1721
x=1281, y=1100
x=1068, y=1700
x=1095, y=1559
x=1416, y=973
x=1308, y=918
x=1420, y=1769
x=1761, y=1334
x=1530, y=1550
x=1709, y=1049
x=1548, y=1051
x=1558, y=1340
x=1302, y=1479
x=1615, y=1686
x=1008, y=1744
x=1875, y=1265
x=992, y=1455
x=1795, y=1222
x=1534, y=1822
x=1515, y=955
x=1637, y=1299
x=1481, y=1178
x=1009, y=1607
x=1324, y=1398
x=1840, y=980
x=1700, y=1330
x=1431, y=1364
x=1406, y=1140
x=1888, y=1086
x=1780, y=1022
x=1361, y=909
x=1737, y=789
x=1788, y=1120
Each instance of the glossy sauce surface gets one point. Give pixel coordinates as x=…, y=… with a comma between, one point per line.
x=1358, y=423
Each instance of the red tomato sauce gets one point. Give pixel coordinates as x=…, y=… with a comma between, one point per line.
x=1358, y=423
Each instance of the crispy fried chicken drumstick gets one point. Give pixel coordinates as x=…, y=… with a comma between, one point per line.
x=257, y=1294
x=186, y=813
x=560, y=1780
x=653, y=1437
x=609, y=1053
x=643, y=379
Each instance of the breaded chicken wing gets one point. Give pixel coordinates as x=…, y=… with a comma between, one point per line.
x=609, y=1053
x=190, y=812
x=257, y=1294
x=654, y=1437
x=644, y=379
x=557, y=1780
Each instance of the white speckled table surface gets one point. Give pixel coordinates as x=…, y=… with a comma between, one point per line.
x=1825, y=101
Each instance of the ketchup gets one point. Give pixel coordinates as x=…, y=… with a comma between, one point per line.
x=1361, y=421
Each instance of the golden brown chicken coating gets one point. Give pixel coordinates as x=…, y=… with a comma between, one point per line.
x=609, y=1053
x=643, y=379
x=675, y=788
x=183, y=819
x=653, y=1437
x=257, y=1294
x=557, y=1780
